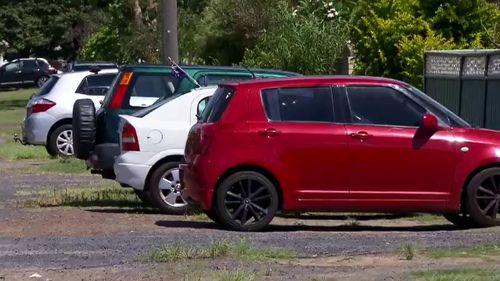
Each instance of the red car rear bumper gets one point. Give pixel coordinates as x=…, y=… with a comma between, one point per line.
x=196, y=187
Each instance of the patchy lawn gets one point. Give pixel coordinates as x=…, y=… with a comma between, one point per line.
x=15, y=151
x=60, y=166
x=12, y=112
x=13, y=106
x=463, y=274
x=219, y=249
x=109, y=195
x=480, y=251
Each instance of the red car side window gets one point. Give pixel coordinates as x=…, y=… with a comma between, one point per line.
x=299, y=104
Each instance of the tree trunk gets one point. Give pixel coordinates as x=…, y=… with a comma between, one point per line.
x=137, y=13
x=169, y=43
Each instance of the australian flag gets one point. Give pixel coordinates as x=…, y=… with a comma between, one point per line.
x=177, y=71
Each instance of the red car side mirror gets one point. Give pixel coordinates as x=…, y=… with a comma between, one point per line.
x=430, y=122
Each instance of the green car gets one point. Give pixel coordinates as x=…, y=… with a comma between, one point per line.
x=95, y=134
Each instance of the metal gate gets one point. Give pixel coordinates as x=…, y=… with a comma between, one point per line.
x=467, y=82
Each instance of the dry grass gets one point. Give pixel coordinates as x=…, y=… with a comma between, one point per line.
x=241, y=250
x=101, y=196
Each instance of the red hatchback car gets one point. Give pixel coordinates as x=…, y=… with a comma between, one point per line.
x=337, y=144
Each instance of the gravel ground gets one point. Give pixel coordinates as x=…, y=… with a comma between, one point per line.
x=104, y=250
x=110, y=240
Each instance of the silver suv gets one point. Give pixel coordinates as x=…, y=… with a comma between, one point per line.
x=49, y=112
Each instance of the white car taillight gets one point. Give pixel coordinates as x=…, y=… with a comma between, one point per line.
x=129, y=138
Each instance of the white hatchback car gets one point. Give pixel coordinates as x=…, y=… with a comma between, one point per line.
x=49, y=112
x=152, y=145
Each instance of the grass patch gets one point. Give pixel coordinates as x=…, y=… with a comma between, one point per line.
x=234, y=275
x=465, y=274
x=104, y=196
x=407, y=251
x=197, y=216
x=241, y=250
x=13, y=106
x=222, y=275
x=15, y=151
x=21, y=94
x=12, y=112
x=7, y=132
x=352, y=221
x=481, y=251
x=178, y=252
x=62, y=166
x=12, y=117
x=428, y=218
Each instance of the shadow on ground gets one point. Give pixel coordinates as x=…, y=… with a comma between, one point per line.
x=136, y=210
x=319, y=228
x=358, y=217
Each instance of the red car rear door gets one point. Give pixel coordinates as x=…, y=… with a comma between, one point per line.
x=308, y=147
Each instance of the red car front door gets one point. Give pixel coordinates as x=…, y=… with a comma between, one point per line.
x=396, y=164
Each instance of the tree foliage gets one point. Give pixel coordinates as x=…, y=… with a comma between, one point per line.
x=462, y=21
x=411, y=52
x=308, y=36
x=390, y=36
x=308, y=39
x=130, y=34
x=228, y=27
x=42, y=26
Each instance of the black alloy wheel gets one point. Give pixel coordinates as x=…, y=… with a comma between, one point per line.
x=483, y=197
x=246, y=201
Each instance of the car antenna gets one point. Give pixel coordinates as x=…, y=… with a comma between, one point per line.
x=180, y=73
x=251, y=72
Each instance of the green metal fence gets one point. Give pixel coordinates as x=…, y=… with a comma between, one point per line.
x=467, y=82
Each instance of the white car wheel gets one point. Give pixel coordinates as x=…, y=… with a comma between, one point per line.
x=164, y=189
x=64, y=143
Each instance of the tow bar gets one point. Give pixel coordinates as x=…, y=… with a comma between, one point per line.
x=18, y=139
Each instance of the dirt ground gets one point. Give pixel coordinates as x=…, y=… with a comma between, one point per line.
x=111, y=243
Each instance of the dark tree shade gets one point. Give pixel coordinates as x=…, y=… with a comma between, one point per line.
x=40, y=27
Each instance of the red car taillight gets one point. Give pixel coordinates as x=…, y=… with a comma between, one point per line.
x=41, y=105
x=198, y=140
x=117, y=101
x=52, y=69
x=129, y=138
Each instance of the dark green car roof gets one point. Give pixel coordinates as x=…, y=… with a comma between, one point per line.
x=195, y=68
x=108, y=119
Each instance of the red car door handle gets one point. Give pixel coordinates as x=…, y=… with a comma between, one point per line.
x=362, y=135
x=269, y=132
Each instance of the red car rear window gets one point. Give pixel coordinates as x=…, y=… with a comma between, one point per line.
x=217, y=105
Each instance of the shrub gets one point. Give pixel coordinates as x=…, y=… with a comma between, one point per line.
x=302, y=41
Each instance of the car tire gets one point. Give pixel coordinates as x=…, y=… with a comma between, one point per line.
x=41, y=80
x=243, y=194
x=60, y=142
x=483, y=198
x=460, y=219
x=164, y=189
x=143, y=195
x=213, y=216
x=84, y=128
